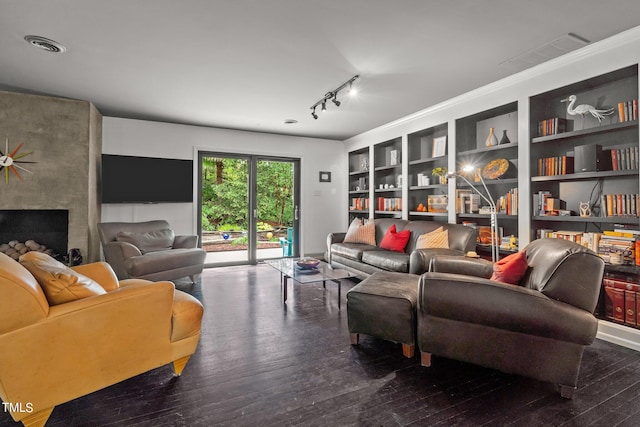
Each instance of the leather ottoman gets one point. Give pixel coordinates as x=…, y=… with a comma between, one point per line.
x=384, y=306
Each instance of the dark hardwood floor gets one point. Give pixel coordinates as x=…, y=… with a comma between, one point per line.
x=264, y=363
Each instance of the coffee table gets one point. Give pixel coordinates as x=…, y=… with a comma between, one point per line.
x=322, y=273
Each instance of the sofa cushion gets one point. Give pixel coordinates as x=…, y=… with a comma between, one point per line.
x=395, y=240
x=351, y=250
x=59, y=283
x=510, y=269
x=361, y=233
x=148, y=241
x=438, y=238
x=387, y=260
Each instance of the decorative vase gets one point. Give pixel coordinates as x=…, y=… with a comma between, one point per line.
x=492, y=139
x=505, y=139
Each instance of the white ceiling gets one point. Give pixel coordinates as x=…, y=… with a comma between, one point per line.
x=251, y=64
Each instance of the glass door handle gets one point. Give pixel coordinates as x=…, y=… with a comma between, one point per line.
x=255, y=213
x=296, y=215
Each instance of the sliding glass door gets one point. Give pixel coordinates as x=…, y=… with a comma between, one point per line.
x=248, y=208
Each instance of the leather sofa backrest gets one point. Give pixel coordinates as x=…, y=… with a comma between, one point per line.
x=564, y=271
x=22, y=300
x=109, y=230
x=460, y=237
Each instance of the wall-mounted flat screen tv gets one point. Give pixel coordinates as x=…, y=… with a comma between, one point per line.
x=132, y=179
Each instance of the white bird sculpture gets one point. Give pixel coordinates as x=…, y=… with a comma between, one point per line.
x=583, y=109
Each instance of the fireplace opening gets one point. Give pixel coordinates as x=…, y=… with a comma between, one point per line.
x=48, y=227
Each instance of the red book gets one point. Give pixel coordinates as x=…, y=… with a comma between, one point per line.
x=614, y=301
x=614, y=159
x=630, y=307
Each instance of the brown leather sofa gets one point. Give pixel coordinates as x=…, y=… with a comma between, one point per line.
x=150, y=250
x=51, y=354
x=538, y=329
x=363, y=260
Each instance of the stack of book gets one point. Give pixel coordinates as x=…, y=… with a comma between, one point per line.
x=628, y=110
x=558, y=165
x=621, y=301
x=552, y=126
x=619, y=243
x=624, y=158
x=359, y=204
x=619, y=205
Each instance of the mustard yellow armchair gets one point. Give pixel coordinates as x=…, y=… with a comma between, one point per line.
x=51, y=354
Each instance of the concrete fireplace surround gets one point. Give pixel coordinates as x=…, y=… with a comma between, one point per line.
x=66, y=139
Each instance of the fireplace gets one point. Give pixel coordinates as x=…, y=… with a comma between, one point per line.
x=49, y=227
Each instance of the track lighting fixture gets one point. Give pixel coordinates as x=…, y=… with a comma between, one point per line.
x=333, y=96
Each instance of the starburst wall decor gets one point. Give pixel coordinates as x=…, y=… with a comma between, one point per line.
x=9, y=161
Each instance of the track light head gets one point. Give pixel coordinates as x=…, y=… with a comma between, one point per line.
x=333, y=96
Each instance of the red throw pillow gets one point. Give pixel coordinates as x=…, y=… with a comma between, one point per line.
x=510, y=269
x=395, y=240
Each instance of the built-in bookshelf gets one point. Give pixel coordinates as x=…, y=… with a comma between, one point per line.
x=428, y=191
x=388, y=179
x=489, y=138
x=584, y=180
x=359, y=188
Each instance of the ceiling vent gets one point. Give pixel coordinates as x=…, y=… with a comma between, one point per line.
x=547, y=51
x=45, y=44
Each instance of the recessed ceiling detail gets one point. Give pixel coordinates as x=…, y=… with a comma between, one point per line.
x=45, y=44
x=556, y=47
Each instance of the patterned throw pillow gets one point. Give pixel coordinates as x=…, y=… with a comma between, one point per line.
x=361, y=233
x=438, y=238
x=394, y=240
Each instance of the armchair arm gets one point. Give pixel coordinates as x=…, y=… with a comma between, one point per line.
x=115, y=253
x=477, y=267
x=101, y=272
x=420, y=259
x=88, y=344
x=186, y=242
x=486, y=302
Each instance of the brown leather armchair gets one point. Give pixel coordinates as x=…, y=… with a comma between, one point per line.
x=150, y=250
x=51, y=354
x=538, y=329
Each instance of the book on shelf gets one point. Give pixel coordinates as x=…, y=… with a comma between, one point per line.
x=619, y=205
x=628, y=110
x=389, y=204
x=508, y=203
x=625, y=158
x=552, y=126
x=558, y=165
x=359, y=203
x=621, y=301
x=622, y=246
x=540, y=203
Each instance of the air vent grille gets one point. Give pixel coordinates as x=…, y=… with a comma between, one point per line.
x=547, y=51
x=45, y=44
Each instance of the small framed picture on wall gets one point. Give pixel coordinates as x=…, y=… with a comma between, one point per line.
x=325, y=176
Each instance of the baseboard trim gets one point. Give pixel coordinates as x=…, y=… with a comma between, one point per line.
x=619, y=334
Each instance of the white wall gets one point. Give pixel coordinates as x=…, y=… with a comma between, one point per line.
x=323, y=206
